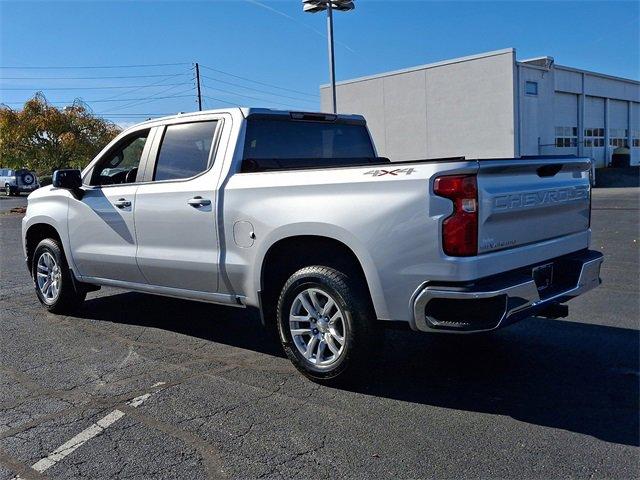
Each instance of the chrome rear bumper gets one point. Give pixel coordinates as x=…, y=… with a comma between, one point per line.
x=492, y=303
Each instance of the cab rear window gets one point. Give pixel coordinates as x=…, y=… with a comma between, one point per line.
x=294, y=139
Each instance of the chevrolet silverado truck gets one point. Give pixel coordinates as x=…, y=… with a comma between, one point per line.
x=294, y=215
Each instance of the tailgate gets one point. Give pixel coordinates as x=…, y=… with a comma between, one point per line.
x=524, y=201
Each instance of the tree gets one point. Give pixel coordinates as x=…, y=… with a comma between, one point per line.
x=44, y=138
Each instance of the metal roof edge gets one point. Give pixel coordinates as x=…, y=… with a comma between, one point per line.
x=425, y=66
x=597, y=74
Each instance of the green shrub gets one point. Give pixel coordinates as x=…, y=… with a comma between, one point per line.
x=44, y=180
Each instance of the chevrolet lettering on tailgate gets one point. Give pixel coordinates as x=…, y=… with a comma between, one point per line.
x=537, y=198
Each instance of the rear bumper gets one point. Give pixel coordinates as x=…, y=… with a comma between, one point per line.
x=496, y=301
x=24, y=188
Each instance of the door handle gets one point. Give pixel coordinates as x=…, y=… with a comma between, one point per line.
x=198, y=202
x=122, y=203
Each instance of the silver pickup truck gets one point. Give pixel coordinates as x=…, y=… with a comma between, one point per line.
x=295, y=216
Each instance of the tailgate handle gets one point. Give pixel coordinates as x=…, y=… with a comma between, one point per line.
x=549, y=170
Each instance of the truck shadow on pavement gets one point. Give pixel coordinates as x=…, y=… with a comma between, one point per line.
x=573, y=376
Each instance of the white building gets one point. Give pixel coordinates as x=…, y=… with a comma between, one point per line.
x=493, y=106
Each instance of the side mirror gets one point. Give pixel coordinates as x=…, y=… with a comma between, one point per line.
x=69, y=179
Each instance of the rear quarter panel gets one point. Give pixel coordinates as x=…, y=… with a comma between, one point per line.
x=386, y=220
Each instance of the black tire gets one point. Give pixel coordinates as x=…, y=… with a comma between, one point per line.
x=362, y=335
x=70, y=296
x=7, y=190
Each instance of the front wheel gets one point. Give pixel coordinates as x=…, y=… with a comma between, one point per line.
x=52, y=278
x=326, y=324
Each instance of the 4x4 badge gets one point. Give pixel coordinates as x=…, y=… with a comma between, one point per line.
x=395, y=172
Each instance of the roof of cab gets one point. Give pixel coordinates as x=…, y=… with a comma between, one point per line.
x=250, y=111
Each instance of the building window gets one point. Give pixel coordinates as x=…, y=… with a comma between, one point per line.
x=566, y=137
x=635, y=138
x=531, y=88
x=594, y=137
x=617, y=137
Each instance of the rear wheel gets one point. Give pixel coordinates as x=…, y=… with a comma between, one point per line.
x=326, y=324
x=52, y=279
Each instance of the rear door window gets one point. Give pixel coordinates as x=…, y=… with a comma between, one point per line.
x=185, y=150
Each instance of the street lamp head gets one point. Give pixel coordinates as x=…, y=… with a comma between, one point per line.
x=343, y=6
x=315, y=6
x=312, y=6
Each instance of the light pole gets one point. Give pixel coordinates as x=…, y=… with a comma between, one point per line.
x=315, y=6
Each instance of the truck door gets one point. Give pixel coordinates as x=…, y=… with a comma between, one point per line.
x=175, y=210
x=101, y=223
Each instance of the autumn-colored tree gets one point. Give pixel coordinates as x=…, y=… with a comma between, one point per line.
x=44, y=138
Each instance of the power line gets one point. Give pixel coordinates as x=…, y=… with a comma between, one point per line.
x=251, y=97
x=91, y=88
x=152, y=98
x=14, y=67
x=99, y=101
x=204, y=87
x=94, y=78
x=259, y=83
x=158, y=83
x=134, y=88
x=221, y=101
x=130, y=102
x=256, y=89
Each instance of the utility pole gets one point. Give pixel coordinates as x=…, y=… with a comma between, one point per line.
x=198, y=85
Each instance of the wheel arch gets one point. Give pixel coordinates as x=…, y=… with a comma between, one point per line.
x=288, y=254
x=37, y=232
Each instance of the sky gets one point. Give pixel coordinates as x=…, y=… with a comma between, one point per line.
x=271, y=54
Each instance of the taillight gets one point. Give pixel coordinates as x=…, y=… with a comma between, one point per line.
x=460, y=229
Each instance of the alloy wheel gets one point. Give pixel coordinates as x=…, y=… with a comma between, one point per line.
x=318, y=327
x=48, y=277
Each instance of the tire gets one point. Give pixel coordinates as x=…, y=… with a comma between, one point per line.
x=7, y=190
x=61, y=295
x=353, y=320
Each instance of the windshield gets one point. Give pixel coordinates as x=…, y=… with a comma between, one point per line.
x=295, y=139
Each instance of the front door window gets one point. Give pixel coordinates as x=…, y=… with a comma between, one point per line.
x=120, y=165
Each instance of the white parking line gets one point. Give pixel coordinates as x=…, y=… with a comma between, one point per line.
x=84, y=436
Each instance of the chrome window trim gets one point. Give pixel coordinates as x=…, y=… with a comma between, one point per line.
x=152, y=148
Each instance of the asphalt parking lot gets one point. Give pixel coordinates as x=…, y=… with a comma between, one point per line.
x=137, y=386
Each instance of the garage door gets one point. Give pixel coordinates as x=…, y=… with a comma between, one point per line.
x=565, y=114
x=594, y=134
